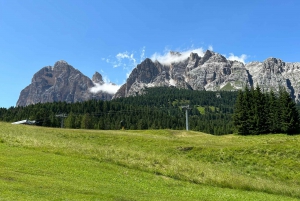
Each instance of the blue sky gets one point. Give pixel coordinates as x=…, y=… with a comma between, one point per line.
x=113, y=36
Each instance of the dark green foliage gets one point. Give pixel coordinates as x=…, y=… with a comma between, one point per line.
x=273, y=122
x=260, y=113
x=240, y=116
x=158, y=108
x=288, y=114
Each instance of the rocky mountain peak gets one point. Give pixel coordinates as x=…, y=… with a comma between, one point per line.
x=145, y=71
x=61, y=82
x=217, y=58
x=206, y=56
x=193, y=56
x=145, y=62
x=61, y=65
x=274, y=62
x=97, y=78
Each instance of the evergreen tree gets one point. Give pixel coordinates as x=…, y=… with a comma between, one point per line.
x=258, y=113
x=240, y=114
x=272, y=109
x=289, y=116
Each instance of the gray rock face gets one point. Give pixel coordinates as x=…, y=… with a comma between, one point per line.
x=60, y=83
x=210, y=72
x=97, y=78
x=213, y=72
x=273, y=73
x=142, y=76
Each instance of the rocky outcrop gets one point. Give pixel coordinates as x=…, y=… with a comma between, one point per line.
x=97, y=78
x=273, y=73
x=213, y=72
x=210, y=72
x=61, y=82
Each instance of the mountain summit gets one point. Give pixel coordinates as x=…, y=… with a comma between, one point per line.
x=61, y=82
x=213, y=72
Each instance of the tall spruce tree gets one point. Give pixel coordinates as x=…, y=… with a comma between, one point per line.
x=260, y=115
x=257, y=113
x=272, y=109
x=243, y=113
x=239, y=116
x=288, y=116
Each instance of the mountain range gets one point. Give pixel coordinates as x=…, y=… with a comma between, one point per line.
x=213, y=72
x=210, y=71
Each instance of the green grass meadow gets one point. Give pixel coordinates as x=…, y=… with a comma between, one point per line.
x=38, y=163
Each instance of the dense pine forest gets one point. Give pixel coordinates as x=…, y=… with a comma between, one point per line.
x=246, y=112
x=260, y=113
x=157, y=108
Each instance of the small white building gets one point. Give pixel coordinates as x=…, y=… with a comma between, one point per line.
x=24, y=122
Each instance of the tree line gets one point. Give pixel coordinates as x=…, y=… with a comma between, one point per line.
x=246, y=112
x=260, y=113
x=156, y=108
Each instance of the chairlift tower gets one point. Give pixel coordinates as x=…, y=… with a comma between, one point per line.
x=186, y=108
x=62, y=116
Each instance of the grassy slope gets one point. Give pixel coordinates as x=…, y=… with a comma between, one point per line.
x=58, y=164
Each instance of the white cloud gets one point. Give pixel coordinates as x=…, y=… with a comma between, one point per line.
x=106, y=87
x=241, y=58
x=169, y=58
x=127, y=60
x=210, y=47
x=121, y=60
x=126, y=55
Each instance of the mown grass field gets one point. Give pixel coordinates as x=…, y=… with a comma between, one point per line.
x=38, y=163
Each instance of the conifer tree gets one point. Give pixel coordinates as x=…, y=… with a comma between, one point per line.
x=258, y=113
x=272, y=109
x=239, y=116
x=289, y=116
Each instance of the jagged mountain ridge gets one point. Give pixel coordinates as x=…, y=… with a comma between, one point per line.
x=62, y=82
x=213, y=72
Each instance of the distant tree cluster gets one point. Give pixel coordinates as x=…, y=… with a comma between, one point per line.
x=248, y=112
x=157, y=108
x=260, y=113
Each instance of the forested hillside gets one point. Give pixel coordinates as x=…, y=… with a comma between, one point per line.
x=157, y=108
